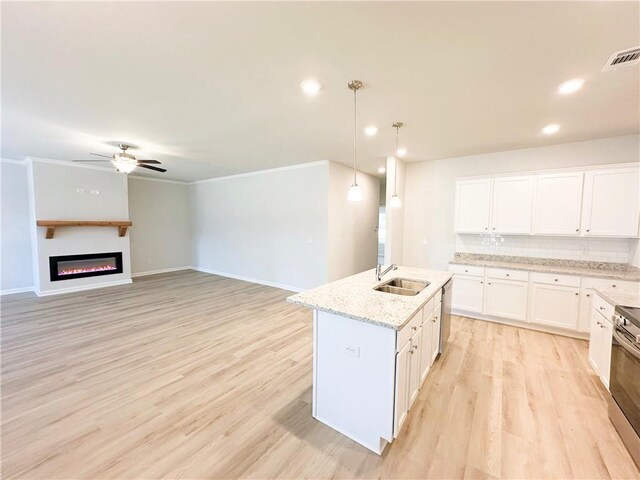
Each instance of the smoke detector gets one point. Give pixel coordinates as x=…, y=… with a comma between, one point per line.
x=623, y=58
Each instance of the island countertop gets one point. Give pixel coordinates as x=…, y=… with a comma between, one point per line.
x=355, y=297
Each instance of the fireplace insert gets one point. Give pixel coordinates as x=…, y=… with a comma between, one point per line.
x=66, y=267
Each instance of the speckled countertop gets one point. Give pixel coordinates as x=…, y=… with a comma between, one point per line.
x=617, y=297
x=618, y=271
x=355, y=297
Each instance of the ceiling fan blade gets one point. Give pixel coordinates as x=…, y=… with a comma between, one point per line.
x=99, y=155
x=149, y=161
x=156, y=169
x=90, y=160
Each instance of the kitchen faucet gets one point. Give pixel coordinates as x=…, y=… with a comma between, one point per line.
x=380, y=273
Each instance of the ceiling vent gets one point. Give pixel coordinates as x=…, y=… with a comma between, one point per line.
x=623, y=58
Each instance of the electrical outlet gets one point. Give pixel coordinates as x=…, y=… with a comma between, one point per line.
x=352, y=350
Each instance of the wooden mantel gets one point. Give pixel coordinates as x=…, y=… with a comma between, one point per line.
x=53, y=224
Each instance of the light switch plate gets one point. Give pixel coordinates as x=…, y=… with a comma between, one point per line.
x=352, y=350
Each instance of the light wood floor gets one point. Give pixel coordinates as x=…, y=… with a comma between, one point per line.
x=189, y=375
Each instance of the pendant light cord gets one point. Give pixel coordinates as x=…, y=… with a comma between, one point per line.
x=395, y=164
x=355, y=129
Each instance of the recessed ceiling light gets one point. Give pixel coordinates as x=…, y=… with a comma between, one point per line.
x=382, y=170
x=311, y=87
x=570, y=86
x=401, y=152
x=371, y=130
x=551, y=129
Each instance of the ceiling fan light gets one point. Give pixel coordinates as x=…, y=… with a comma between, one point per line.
x=355, y=193
x=124, y=166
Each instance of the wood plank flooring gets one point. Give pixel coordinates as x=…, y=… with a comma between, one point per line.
x=190, y=375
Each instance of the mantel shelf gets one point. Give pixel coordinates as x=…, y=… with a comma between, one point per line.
x=51, y=225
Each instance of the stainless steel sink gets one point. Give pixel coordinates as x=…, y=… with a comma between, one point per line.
x=402, y=286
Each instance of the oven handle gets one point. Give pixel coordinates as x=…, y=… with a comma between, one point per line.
x=628, y=346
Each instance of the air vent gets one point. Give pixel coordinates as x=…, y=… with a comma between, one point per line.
x=623, y=58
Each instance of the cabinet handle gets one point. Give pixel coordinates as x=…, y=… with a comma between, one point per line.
x=415, y=347
x=577, y=229
x=601, y=308
x=466, y=271
x=577, y=293
x=555, y=279
x=481, y=283
x=414, y=328
x=588, y=230
x=507, y=274
x=598, y=323
x=493, y=228
x=613, y=286
x=588, y=295
x=411, y=352
x=486, y=228
x=489, y=283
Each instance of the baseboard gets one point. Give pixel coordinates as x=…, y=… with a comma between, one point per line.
x=11, y=291
x=162, y=270
x=81, y=288
x=516, y=323
x=249, y=279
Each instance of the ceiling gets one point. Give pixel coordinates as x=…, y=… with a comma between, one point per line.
x=213, y=89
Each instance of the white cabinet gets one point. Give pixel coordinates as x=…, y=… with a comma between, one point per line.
x=506, y=298
x=403, y=368
x=584, y=318
x=435, y=332
x=414, y=367
x=468, y=293
x=554, y=305
x=512, y=205
x=558, y=200
x=600, y=346
x=473, y=206
x=611, y=202
x=427, y=341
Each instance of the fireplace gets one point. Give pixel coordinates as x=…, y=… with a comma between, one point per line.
x=66, y=267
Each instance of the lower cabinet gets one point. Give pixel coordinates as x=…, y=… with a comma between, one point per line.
x=600, y=345
x=506, y=298
x=435, y=333
x=468, y=293
x=554, y=305
x=584, y=317
x=414, y=366
x=403, y=369
x=427, y=342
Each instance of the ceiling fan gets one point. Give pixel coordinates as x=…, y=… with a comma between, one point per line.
x=125, y=162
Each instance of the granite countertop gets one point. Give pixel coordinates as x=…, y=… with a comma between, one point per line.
x=618, y=271
x=355, y=297
x=622, y=298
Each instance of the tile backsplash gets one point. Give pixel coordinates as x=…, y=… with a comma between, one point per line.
x=594, y=249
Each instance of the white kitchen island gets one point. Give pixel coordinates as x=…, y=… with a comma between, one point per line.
x=372, y=351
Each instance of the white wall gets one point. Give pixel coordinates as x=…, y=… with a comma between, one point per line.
x=429, y=239
x=63, y=192
x=395, y=216
x=15, y=238
x=161, y=232
x=269, y=226
x=352, y=236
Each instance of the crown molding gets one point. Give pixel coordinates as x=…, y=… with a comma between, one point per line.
x=262, y=172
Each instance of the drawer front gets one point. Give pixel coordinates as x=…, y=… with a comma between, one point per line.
x=603, y=307
x=555, y=279
x=404, y=335
x=606, y=283
x=427, y=309
x=437, y=298
x=505, y=274
x=471, y=270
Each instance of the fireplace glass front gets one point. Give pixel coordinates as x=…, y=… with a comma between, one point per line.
x=65, y=267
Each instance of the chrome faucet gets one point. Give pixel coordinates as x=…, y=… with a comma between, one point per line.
x=380, y=273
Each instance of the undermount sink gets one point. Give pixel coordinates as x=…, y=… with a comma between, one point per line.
x=402, y=286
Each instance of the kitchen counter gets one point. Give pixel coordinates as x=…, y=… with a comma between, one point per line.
x=617, y=297
x=354, y=297
x=548, y=265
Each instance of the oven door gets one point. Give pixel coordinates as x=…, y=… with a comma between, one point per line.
x=624, y=383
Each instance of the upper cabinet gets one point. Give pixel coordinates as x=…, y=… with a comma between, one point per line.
x=473, y=206
x=512, y=204
x=557, y=204
x=611, y=203
x=597, y=202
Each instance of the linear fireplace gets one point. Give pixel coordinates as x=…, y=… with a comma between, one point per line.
x=66, y=267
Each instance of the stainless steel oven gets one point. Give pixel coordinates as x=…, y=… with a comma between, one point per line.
x=624, y=382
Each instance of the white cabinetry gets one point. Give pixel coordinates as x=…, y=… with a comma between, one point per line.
x=427, y=342
x=435, y=332
x=506, y=298
x=600, y=340
x=512, y=204
x=414, y=368
x=558, y=200
x=468, y=293
x=403, y=369
x=554, y=305
x=473, y=206
x=611, y=202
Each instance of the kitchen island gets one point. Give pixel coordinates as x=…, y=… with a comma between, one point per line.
x=372, y=349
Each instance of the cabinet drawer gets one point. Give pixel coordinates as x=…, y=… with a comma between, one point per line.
x=505, y=274
x=427, y=309
x=472, y=270
x=404, y=335
x=603, y=307
x=555, y=279
x=606, y=283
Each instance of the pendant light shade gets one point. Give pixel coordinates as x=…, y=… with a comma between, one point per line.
x=355, y=192
x=395, y=201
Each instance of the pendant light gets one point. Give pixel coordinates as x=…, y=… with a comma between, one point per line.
x=395, y=199
x=355, y=193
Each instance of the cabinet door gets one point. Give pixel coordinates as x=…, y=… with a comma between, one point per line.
x=507, y=299
x=584, y=317
x=512, y=205
x=553, y=305
x=425, y=350
x=557, y=205
x=611, y=204
x=595, y=340
x=435, y=333
x=473, y=200
x=605, y=346
x=414, y=368
x=403, y=358
x=467, y=293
